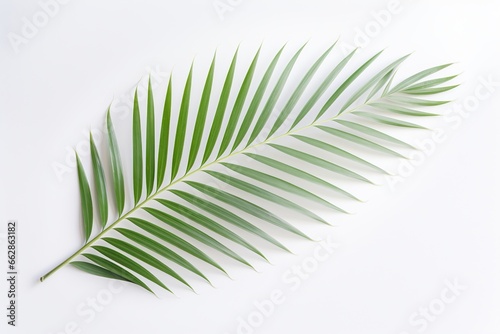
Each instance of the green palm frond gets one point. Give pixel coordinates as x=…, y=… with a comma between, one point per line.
x=163, y=227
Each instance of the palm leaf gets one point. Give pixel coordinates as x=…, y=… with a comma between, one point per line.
x=116, y=166
x=86, y=200
x=99, y=182
x=172, y=231
x=164, y=136
x=137, y=150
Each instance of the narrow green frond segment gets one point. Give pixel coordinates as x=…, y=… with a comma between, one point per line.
x=150, y=142
x=201, y=117
x=372, y=132
x=257, y=98
x=117, y=270
x=162, y=250
x=417, y=77
x=431, y=83
x=116, y=166
x=85, y=200
x=137, y=150
x=221, y=110
x=238, y=105
x=322, y=88
x=246, y=206
x=319, y=162
x=194, y=233
x=429, y=91
x=387, y=120
x=93, y=269
x=273, y=98
x=180, y=132
x=381, y=83
x=373, y=81
x=130, y=264
x=280, y=184
x=389, y=83
x=346, y=84
x=337, y=151
x=264, y=194
x=413, y=101
x=359, y=140
x=209, y=224
x=286, y=168
x=145, y=257
x=294, y=98
x=228, y=216
x=164, y=135
x=175, y=241
x=99, y=182
x=400, y=110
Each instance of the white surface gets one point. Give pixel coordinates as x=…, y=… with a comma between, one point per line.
x=395, y=254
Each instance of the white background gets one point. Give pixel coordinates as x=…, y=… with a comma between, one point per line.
x=395, y=254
